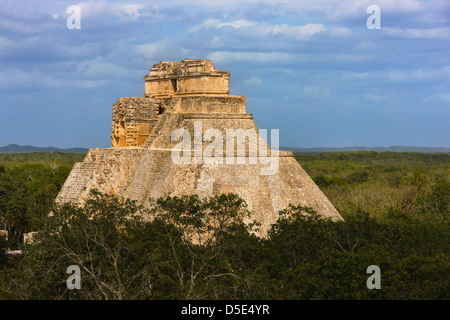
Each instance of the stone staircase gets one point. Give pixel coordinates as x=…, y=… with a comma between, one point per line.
x=81, y=174
x=155, y=130
x=76, y=183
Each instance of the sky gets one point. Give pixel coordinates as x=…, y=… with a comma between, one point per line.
x=312, y=69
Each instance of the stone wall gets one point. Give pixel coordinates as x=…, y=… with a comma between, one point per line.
x=132, y=121
x=188, y=77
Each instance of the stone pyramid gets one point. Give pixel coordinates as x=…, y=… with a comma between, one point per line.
x=187, y=135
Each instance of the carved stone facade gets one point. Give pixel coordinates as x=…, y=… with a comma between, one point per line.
x=135, y=118
x=131, y=121
x=192, y=95
x=186, y=78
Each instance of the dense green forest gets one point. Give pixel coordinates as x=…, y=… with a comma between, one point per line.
x=395, y=206
x=416, y=185
x=53, y=159
x=29, y=182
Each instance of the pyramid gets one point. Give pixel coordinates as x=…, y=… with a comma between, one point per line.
x=187, y=135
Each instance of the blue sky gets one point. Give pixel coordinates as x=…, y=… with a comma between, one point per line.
x=311, y=69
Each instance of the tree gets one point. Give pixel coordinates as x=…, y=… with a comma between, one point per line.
x=3, y=247
x=199, y=232
x=92, y=237
x=27, y=192
x=175, y=250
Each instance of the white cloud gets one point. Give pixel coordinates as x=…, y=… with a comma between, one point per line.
x=131, y=10
x=16, y=78
x=432, y=33
x=344, y=9
x=251, y=57
x=6, y=43
x=149, y=50
x=358, y=76
x=444, y=97
x=235, y=24
x=163, y=50
x=293, y=31
x=367, y=46
x=103, y=8
x=98, y=67
x=418, y=75
x=253, y=81
x=440, y=97
x=262, y=30
x=377, y=97
x=280, y=57
x=72, y=51
x=339, y=32
x=316, y=92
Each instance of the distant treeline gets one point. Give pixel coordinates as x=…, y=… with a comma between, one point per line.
x=413, y=184
x=48, y=158
x=372, y=156
x=14, y=148
x=377, y=149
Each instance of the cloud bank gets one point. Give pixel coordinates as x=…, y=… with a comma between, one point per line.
x=310, y=68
